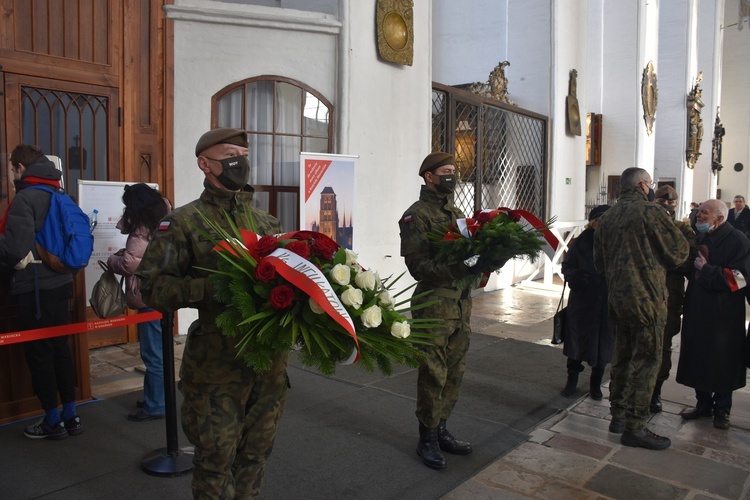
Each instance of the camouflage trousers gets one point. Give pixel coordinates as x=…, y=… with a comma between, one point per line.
x=233, y=426
x=672, y=328
x=442, y=370
x=637, y=357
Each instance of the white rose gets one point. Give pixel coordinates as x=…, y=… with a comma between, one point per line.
x=351, y=257
x=372, y=317
x=315, y=307
x=365, y=280
x=352, y=297
x=385, y=299
x=400, y=329
x=340, y=274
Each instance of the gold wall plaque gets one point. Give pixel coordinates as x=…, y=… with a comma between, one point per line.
x=695, y=122
x=649, y=96
x=395, y=27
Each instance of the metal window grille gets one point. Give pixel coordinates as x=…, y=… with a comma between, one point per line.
x=500, y=151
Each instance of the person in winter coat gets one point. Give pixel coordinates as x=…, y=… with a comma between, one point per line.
x=41, y=292
x=589, y=333
x=713, y=333
x=144, y=208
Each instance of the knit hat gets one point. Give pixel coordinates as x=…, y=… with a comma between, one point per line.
x=221, y=136
x=667, y=192
x=435, y=160
x=597, y=212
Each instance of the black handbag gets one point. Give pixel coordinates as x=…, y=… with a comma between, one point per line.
x=558, y=322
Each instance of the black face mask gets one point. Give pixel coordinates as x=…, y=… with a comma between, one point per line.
x=447, y=183
x=235, y=172
x=650, y=195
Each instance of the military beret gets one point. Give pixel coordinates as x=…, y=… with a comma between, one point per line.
x=221, y=136
x=597, y=212
x=667, y=192
x=435, y=160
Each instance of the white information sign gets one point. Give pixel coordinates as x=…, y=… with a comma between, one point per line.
x=106, y=197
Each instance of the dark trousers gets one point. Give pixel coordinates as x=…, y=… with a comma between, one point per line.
x=50, y=360
x=716, y=400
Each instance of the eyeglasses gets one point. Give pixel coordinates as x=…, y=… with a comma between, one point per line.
x=652, y=185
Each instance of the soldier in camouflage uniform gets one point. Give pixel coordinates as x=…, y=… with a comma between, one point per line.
x=667, y=197
x=635, y=245
x=440, y=374
x=229, y=412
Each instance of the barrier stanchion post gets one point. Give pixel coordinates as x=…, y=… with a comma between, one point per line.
x=172, y=460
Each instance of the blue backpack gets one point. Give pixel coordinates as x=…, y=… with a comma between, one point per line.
x=64, y=242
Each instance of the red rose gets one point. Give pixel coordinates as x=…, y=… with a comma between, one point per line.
x=266, y=245
x=301, y=248
x=265, y=271
x=483, y=217
x=282, y=297
x=324, y=248
x=304, y=235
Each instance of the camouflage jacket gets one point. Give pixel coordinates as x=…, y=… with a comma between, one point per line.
x=432, y=212
x=634, y=247
x=169, y=271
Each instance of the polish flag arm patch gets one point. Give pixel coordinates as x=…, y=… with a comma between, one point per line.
x=164, y=225
x=735, y=279
x=407, y=218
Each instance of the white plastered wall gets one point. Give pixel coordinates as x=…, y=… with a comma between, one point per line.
x=380, y=107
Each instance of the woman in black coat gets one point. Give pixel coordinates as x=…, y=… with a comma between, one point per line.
x=589, y=334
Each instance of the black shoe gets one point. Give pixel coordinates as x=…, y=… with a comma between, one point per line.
x=142, y=416
x=42, y=430
x=644, y=438
x=721, y=419
x=139, y=403
x=449, y=444
x=74, y=426
x=697, y=412
x=655, y=406
x=429, y=449
x=595, y=383
x=617, y=425
x=570, y=386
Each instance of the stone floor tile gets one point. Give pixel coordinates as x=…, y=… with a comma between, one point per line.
x=545, y=461
x=588, y=428
x=114, y=356
x=619, y=483
x=555, y=490
x=509, y=476
x=683, y=468
x=703, y=433
x=588, y=406
x=725, y=457
x=474, y=490
x=579, y=446
x=541, y=436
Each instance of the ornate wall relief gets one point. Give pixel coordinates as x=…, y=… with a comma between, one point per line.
x=695, y=122
x=395, y=27
x=649, y=96
x=571, y=105
x=716, y=144
x=496, y=86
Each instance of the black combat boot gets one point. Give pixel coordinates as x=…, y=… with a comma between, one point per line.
x=595, y=384
x=449, y=444
x=655, y=405
x=574, y=368
x=428, y=448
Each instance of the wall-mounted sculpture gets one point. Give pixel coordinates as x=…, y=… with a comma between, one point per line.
x=571, y=105
x=716, y=144
x=695, y=122
x=395, y=27
x=496, y=86
x=649, y=96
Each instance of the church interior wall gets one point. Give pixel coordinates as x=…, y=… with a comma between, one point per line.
x=735, y=107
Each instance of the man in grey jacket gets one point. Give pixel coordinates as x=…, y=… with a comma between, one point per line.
x=42, y=293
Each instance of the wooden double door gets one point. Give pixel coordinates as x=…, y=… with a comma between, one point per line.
x=88, y=81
